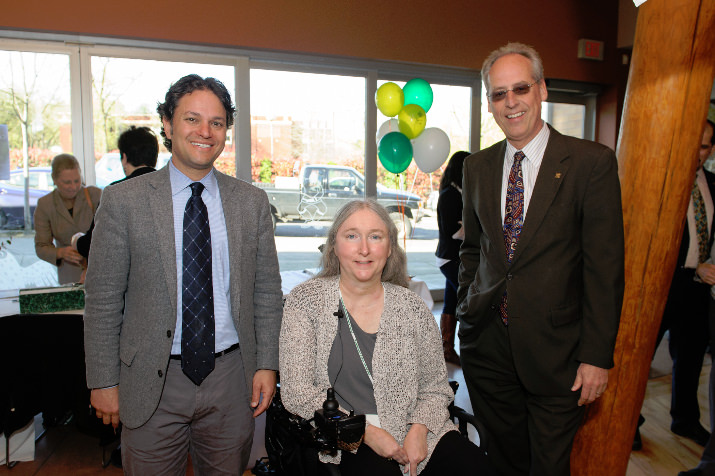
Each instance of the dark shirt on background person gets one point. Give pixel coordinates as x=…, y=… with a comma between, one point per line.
x=139, y=150
x=449, y=222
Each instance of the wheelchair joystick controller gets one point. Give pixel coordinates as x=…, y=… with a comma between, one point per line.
x=331, y=407
x=336, y=430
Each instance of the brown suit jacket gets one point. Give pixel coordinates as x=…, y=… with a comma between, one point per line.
x=565, y=282
x=54, y=227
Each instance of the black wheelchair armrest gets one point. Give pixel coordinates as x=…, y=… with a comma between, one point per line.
x=462, y=418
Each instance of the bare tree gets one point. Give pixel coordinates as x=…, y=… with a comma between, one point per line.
x=22, y=97
x=106, y=101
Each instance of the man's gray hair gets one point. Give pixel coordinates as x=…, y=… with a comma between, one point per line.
x=537, y=67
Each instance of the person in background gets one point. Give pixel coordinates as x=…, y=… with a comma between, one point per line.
x=60, y=214
x=542, y=274
x=356, y=327
x=451, y=234
x=138, y=151
x=183, y=300
x=706, y=273
x=685, y=316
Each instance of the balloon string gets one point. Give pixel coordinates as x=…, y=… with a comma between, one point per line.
x=414, y=179
x=401, y=203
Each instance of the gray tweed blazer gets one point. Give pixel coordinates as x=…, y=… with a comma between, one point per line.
x=130, y=311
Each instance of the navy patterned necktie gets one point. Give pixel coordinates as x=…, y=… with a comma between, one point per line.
x=513, y=218
x=197, y=332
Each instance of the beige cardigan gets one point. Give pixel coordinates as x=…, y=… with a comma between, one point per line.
x=54, y=227
x=410, y=376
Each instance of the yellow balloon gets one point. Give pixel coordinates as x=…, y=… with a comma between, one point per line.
x=389, y=99
x=412, y=120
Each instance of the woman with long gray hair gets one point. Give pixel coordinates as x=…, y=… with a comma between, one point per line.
x=356, y=327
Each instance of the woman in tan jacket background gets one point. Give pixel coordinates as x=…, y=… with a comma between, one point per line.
x=67, y=210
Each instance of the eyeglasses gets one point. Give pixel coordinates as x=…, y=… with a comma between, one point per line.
x=497, y=96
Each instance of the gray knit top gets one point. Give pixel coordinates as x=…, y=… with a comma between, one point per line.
x=410, y=376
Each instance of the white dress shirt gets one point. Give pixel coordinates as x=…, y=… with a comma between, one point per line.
x=534, y=154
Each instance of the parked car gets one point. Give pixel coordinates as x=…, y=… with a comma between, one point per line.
x=12, y=195
x=320, y=190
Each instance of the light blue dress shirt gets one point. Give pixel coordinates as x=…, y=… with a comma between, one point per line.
x=226, y=334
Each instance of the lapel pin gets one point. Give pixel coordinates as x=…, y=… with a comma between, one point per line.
x=558, y=175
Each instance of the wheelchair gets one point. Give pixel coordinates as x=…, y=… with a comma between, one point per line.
x=291, y=441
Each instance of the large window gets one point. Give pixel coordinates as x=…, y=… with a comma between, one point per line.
x=299, y=118
x=63, y=93
x=307, y=152
x=305, y=132
x=35, y=105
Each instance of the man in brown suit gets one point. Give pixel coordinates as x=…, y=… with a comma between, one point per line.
x=539, y=315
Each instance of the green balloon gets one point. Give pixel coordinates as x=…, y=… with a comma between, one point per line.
x=395, y=152
x=418, y=91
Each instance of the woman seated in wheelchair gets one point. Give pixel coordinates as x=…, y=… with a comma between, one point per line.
x=356, y=327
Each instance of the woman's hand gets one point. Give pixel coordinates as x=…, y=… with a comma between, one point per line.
x=382, y=443
x=70, y=255
x=416, y=445
x=459, y=234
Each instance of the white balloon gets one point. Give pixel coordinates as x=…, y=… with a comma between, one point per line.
x=430, y=149
x=389, y=125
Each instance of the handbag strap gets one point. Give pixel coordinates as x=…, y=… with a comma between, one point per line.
x=89, y=200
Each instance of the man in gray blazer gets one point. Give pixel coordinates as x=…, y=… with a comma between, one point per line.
x=541, y=280
x=139, y=339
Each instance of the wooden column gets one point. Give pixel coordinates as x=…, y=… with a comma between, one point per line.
x=665, y=106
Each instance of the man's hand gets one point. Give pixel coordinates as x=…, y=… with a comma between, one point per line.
x=106, y=404
x=706, y=272
x=592, y=381
x=382, y=443
x=416, y=446
x=264, y=387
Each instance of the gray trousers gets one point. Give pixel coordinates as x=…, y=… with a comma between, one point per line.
x=213, y=422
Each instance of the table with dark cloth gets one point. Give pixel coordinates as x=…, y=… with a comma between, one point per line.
x=42, y=357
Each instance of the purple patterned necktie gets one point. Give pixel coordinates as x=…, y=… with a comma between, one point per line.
x=197, y=332
x=513, y=218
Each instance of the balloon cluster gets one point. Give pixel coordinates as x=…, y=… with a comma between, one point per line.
x=401, y=139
